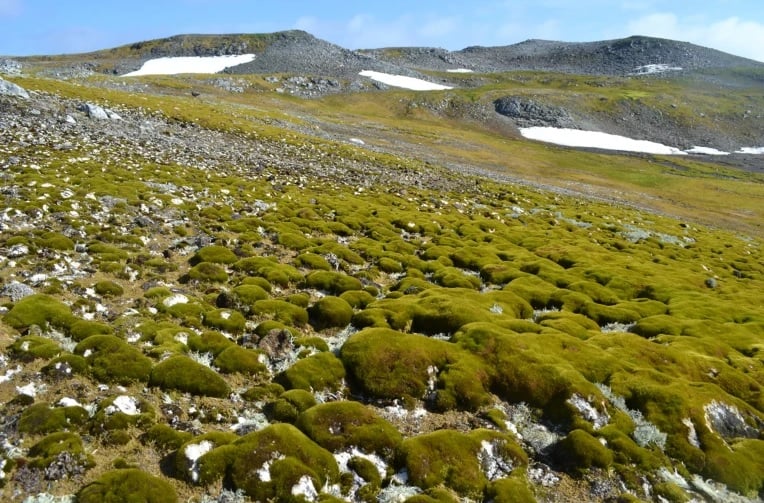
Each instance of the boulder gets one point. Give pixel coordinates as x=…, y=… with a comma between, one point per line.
x=11, y=89
x=528, y=113
x=98, y=112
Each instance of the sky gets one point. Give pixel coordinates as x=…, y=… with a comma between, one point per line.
x=30, y=27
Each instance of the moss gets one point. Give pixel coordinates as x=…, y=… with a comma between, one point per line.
x=332, y=282
x=184, y=374
x=336, y=426
x=293, y=241
x=165, y=437
x=66, y=365
x=49, y=448
x=258, y=281
x=329, y=312
x=450, y=458
x=451, y=277
x=579, y=451
x=316, y=372
x=131, y=485
x=389, y=265
x=157, y=292
x=108, y=289
x=224, y=319
x=236, y=359
x=312, y=261
x=214, y=254
x=316, y=343
x=41, y=310
x=300, y=299
x=42, y=418
x=209, y=341
x=671, y=492
x=31, y=347
x=82, y=329
x=247, y=295
x=358, y=299
x=262, y=393
x=654, y=326
x=513, y=489
x=366, y=470
x=206, y=272
x=288, y=455
x=281, y=311
x=55, y=241
x=113, y=360
x=109, y=418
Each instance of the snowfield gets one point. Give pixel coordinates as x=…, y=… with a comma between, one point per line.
x=200, y=64
x=595, y=139
x=657, y=68
x=403, y=82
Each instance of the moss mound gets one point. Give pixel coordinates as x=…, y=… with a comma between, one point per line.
x=111, y=359
x=236, y=359
x=127, y=486
x=41, y=310
x=184, y=374
x=330, y=312
x=317, y=372
x=340, y=425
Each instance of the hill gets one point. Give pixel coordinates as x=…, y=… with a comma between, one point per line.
x=234, y=287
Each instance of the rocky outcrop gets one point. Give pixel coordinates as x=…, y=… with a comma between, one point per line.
x=11, y=89
x=528, y=113
x=97, y=112
x=10, y=66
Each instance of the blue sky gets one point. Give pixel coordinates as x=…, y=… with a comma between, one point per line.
x=59, y=26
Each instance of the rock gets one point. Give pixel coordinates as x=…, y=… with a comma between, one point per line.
x=528, y=113
x=17, y=291
x=97, y=112
x=277, y=344
x=10, y=66
x=11, y=89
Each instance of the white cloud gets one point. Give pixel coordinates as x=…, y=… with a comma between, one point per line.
x=10, y=8
x=732, y=35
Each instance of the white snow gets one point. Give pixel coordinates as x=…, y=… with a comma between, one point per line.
x=9, y=374
x=751, y=150
x=193, y=452
x=200, y=64
x=29, y=390
x=404, y=82
x=124, y=404
x=305, y=488
x=595, y=139
x=178, y=298
x=655, y=68
x=706, y=151
x=459, y=70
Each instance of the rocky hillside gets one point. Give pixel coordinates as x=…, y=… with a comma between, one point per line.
x=214, y=291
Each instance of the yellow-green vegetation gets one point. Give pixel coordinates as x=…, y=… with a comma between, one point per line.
x=383, y=306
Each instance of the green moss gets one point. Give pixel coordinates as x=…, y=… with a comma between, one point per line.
x=332, y=282
x=209, y=342
x=82, y=329
x=312, y=261
x=671, y=492
x=358, y=299
x=226, y=320
x=184, y=374
x=165, y=437
x=31, y=347
x=329, y=312
x=157, y=292
x=214, y=254
x=42, y=418
x=316, y=343
x=281, y=311
x=75, y=364
x=389, y=265
x=49, y=448
x=297, y=456
x=654, y=326
x=579, y=451
x=55, y=241
x=41, y=310
x=300, y=299
x=113, y=360
x=108, y=289
x=450, y=458
x=246, y=295
x=116, y=485
x=108, y=418
x=513, y=489
x=316, y=372
x=236, y=359
x=336, y=426
x=293, y=241
x=258, y=281
x=207, y=272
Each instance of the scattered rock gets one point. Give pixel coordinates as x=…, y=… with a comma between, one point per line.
x=97, y=112
x=10, y=66
x=529, y=113
x=11, y=89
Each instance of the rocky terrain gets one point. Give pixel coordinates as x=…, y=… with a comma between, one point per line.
x=215, y=290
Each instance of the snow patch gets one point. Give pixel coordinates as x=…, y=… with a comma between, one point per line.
x=193, y=452
x=124, y=404
x=459, y=70
x=751, y=150
x=706, y=151
x=655, y=68
x=596, y=139
x=305, y=488
x=28, y=390
x=403, y=82
x=172, y=300
x=193, y=64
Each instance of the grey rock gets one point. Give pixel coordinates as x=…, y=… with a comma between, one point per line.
x=17, y=291
x=98, y=112
x=528, y=113
x=11, y=89
x=10, y=66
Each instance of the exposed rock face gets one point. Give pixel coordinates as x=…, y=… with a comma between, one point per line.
x=10, y=66
x=528, y=113
x=97, y=112
x=11, y=89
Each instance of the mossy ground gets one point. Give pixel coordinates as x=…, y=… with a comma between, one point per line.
x=469, y=297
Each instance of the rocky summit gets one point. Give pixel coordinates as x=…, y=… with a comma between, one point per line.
x=288, y=281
